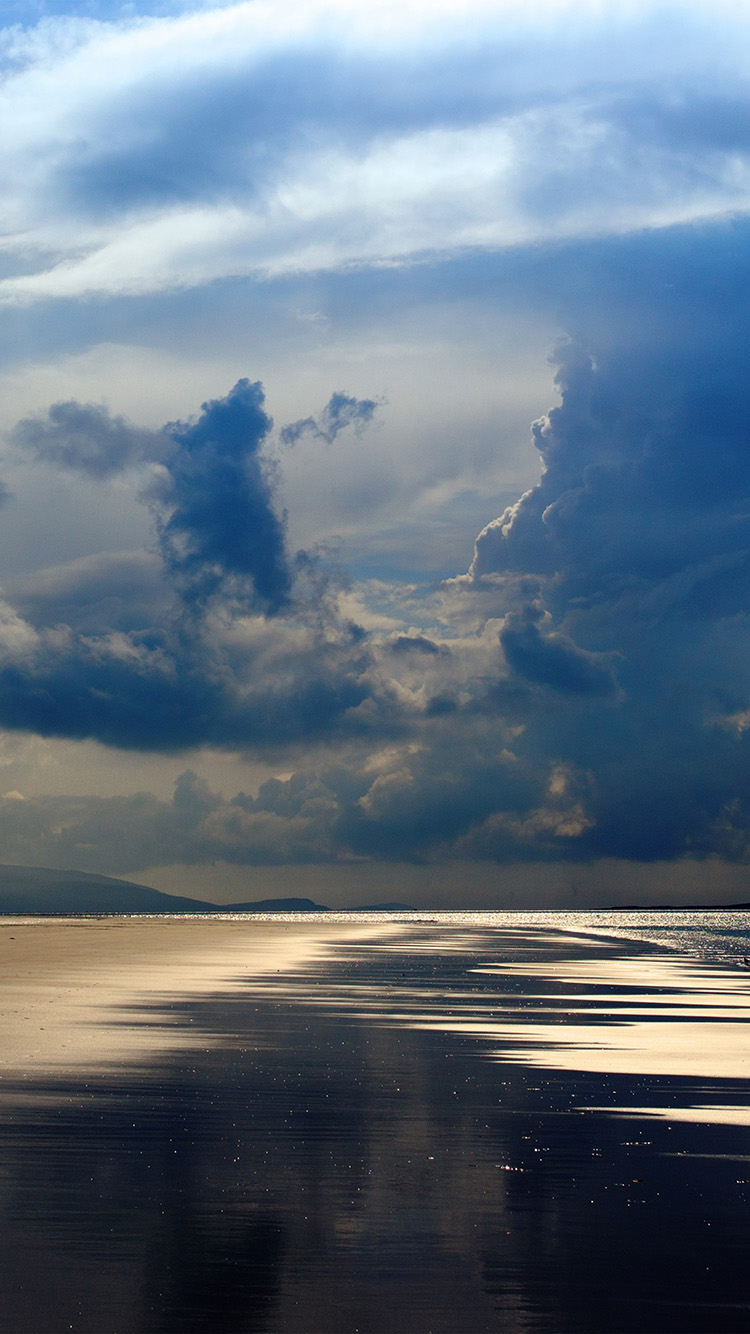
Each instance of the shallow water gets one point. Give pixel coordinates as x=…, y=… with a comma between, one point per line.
x=718, y=934
x=328, y=1158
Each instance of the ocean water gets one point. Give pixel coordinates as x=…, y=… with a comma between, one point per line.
x=718, y=935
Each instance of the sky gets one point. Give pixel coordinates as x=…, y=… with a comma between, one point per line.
x=374, y=468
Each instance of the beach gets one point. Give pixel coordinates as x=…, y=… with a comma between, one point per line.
x=344, y=1126
x=70, y=985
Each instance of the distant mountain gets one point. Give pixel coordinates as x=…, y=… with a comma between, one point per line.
x=36, y=890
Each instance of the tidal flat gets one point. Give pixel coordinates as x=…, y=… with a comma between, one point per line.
x=341, y=1125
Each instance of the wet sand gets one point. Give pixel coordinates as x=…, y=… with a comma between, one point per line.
x=340, y=1127
x=69, y=984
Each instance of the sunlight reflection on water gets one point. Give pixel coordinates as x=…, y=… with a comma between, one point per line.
x=707, y=933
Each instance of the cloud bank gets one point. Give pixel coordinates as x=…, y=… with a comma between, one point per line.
x=581, y=692
x=370, y=194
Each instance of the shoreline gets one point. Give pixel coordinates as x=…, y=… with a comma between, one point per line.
x=108, y=992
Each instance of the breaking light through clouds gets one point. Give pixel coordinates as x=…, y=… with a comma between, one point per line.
x=428, y=504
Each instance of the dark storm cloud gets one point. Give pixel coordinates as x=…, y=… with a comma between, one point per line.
x=340, y=411
x=216, y=520
x=223, y=640
x=85, y=437
x=637, y=539
x=586, y=692
x=212, y=495
x=167, y=689
x=552, y=659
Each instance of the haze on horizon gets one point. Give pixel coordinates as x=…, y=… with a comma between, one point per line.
x=375, y=472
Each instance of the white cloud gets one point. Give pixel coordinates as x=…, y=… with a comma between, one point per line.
x=159, y=154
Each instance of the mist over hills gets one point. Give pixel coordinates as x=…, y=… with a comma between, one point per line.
x=38, y=890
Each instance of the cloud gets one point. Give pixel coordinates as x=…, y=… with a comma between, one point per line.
x=216, y=521
x=211, y=494
x=253, y=141
x=84, y=436
x=123, y=591
x=197, y=826
x=230, y=683
x=581, y=692
x=415, y=644
x=340, y=411
x=636, y=547
x=392, y=806
x=219, y=639
x=552, y=659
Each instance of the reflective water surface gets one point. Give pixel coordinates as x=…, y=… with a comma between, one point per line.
x=330, y=1156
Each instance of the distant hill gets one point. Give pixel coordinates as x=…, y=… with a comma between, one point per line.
x=35, y=890
x=38, y=891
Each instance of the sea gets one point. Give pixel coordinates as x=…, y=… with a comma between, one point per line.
x=716, y=935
